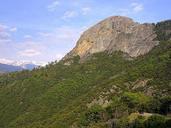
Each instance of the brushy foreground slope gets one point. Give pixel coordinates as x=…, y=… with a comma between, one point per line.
x=106, y=91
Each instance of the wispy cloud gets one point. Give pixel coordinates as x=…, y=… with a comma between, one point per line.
x=44, y=34
x=133, y=8
x=29, y=53
x=137, y=7
x=27, y=36
x=85, y=10
x=5, y=61
x=69, y=14
x=30, y=48
x=3, y=27
x=13, y=29
x=53, y=6
x=4, y=34
x=72, y=13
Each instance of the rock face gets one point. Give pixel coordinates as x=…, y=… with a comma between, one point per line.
x=116, y=34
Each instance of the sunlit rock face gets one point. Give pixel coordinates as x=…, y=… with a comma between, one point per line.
x=116, y=34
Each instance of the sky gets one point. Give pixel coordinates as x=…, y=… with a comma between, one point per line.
x=45, y=30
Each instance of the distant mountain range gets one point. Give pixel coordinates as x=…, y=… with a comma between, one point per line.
x=12, y=66
x=9, y=68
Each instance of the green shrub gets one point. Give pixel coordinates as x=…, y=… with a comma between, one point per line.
x=93, y=115
x=135, y=100
x=155, y=121
x=137, y=123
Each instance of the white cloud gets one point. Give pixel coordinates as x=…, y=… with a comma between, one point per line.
x=53, y=6
x=7, y=28
x=14, y=29
x=30, y=48
x=3, y=27
x=4, y=34
x=27, y=36
x=137, y=7
x=86, y=10
x=69, y=14
x=133, y=8
x=5, y=61
x=29, y=53
x=29, y=44
x=44, y=34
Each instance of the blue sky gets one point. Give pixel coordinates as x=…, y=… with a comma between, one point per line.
x=45, y=30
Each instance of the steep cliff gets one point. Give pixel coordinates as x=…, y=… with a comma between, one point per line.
x=116, y=34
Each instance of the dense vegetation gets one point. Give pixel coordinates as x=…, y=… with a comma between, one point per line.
x=163, y=30
x=107, y=90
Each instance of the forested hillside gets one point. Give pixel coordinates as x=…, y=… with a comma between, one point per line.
x=108, y=90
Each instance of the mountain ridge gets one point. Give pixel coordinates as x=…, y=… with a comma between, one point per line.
x=12, y=67
x=4, y=68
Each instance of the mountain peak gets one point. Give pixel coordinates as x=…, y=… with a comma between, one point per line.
x=116, y=33
x=117, y=18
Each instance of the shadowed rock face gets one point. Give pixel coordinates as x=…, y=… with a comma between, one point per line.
x=116, y=34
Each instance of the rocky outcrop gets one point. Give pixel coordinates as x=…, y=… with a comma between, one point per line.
x=116, y=34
